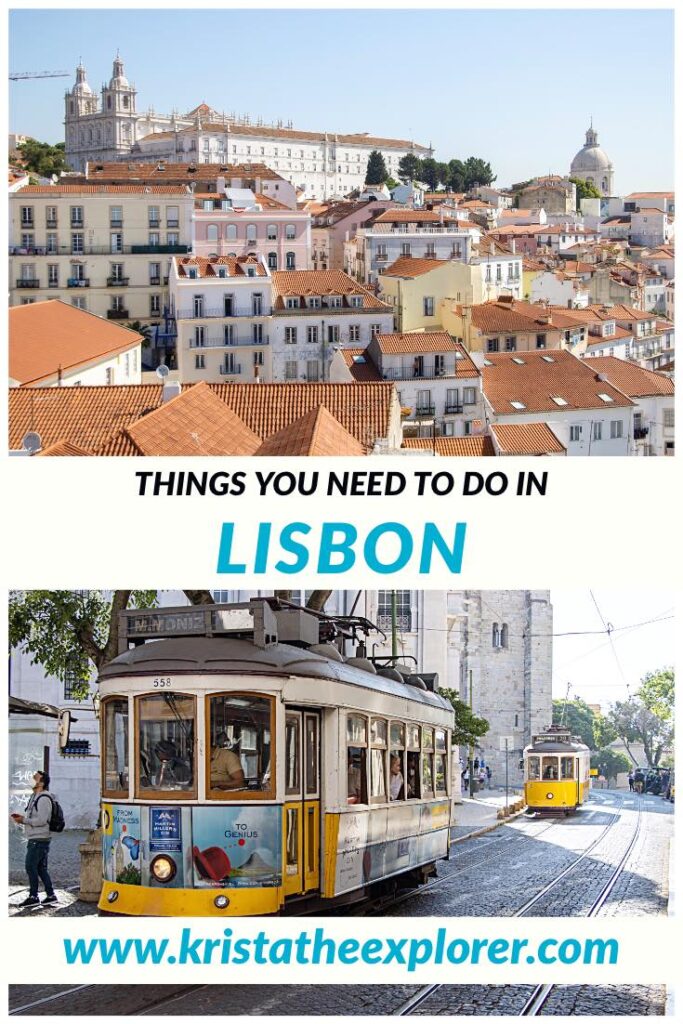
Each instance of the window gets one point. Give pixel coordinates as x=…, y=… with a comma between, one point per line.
x=291, y=369
x=116, y=273
x=76, y=216
x=356, y=760
x=492, y=345
x=566, y=767
x=198, y=337
x=540, y=340
x=198, y=305
x=212, y=232
x=292, y=755
x=534, y=769
x=312, y=370
x=616, y=429
x=575, y=432
x=231, y=232
x=53, y=275
x=166, y=744
x=495, y=635
x=27, y=216
x=290, y=261
x=117, y=304
x=115, y=760
x=240, y=731
x=413, y=776
x=77, y=243
x=153, y=238
x=271, y=232
x=51, y=242
x=116, y=241
x=469, y=396
x=155, y=305
x=257, y=334
x=428, y=306
x=427, y=762
x=669, y=416
x=511, y=344
x=597, y=430
x=116, y=216
x=440, y=762
x=375, y=329
x=403, y=609
x=405, y=248
x=172, y=238
x=549, y=769
x=312, y=335
x=199, y=363
x=499, y=273
x=172, y=216
x=50, y=216
x=397, y=757
x=290, y=335
x=272, y=261
x=258, y=358
x=378, y=742
x=290, y=232
x=354, y=332
x=153, y=216
x=251, y=234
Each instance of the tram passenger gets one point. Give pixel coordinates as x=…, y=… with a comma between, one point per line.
x=550, y=773
x=396, y=788
x=354, y=776
x=226, y=767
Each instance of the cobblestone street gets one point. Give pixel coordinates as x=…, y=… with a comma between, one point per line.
x=494, y=874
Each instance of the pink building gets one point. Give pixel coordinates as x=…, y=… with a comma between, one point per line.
x=237, y=222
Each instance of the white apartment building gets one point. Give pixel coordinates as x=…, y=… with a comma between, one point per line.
x=439, y=386
x=104, y=248
x=653, y=396
x=222, y=310
x=316, y=312
x=418, y=233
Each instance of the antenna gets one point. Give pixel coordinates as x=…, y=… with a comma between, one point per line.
x=32, y=442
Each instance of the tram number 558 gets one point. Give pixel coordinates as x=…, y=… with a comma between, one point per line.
x=162, y=682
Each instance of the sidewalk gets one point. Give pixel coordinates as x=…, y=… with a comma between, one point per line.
x=64, y=865
x=480, y=813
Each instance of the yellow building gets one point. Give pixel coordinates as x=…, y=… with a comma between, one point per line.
x=415, y=288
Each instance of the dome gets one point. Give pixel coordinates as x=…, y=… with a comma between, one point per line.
x=81, y=88
x=118, y=79
x=590, y=158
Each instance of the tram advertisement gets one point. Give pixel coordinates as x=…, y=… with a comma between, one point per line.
x=237, y=846
x=121, y=838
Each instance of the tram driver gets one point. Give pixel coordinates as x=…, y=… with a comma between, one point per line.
x=550, y=772
x=226, y=767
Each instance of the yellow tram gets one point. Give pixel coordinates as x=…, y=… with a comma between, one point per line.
x=556, y=772
x=249, y=768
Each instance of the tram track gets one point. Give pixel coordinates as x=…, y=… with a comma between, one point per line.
x=148, y=1005
x=533, y=1005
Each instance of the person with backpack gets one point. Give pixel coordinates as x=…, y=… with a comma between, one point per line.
x=42, y=817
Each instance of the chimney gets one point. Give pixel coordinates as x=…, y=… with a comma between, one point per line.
x=513, y=246
x=171, y=389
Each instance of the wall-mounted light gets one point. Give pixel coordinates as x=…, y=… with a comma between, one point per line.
x=96, y=701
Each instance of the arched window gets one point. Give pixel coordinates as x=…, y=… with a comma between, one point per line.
x=290, y=259
x=231, y=232
x=272, y=261
x=290, y=231
x=251, y=234
x=125, y=101
x=212, y=233
x=271, y=232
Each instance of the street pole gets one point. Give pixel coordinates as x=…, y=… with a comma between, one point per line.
x=471, y=752
x=506, y=773
x=394, y=631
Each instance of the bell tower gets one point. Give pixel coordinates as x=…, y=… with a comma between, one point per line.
x=118, y=111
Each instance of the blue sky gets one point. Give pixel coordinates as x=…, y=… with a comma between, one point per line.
x=517, y=88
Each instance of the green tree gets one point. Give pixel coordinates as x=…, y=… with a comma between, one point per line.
x=468, y=728
x=429, y=173
x=585, y=190
x=409, y=167
x=43, y=159
x=634, y=722
x=477, y=172
x=456, y=177
x=611, y=762
x=377, y=172
x=657, y=693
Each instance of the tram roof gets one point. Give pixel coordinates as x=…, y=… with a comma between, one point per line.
x=232, y=656
x=555, y=747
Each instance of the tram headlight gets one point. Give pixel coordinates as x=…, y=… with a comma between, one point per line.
x=221, y=902
x=163, y=868
x=112, y=896
x=550, y=796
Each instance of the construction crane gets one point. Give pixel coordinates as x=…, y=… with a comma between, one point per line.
x=38, y=74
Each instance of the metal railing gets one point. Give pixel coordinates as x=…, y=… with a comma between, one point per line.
x=414, y=372
x=117, y=314
x=78, y=282
x=231, y=371
x=640, y=432
x=218, y=342
x=28, y=282
x=453, y=409
x=216, y=312
x=97, y=250
x=424, y=410
x=117, y=282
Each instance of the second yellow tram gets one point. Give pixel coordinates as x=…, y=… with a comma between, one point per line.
x=556, y=772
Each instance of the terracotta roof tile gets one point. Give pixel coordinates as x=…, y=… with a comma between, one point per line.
x=236, y=265
x=412, y=266
x=403, y=216
x=635, y=381
x=429, y=341
x=452, y=446
x=305, y=283
x=317, y=432
x=87, y=189
x=495, y=317
x=63, y=448
x=47, y=336
x=536, y=379
x=526, y=438
x=263, y=132
x=360, y=364
x=147, y=171
x=197, y=422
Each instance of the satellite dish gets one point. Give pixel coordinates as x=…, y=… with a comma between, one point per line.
x=54, y=178
x=31, y=442
x=162, y=371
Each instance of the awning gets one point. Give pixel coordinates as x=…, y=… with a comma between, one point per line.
x=17, y=706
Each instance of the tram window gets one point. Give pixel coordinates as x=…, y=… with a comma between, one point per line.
x=356, y=774
x=413, y=737
x=378, y=732
x=440, y=773
x=292, y=759
x=292, y=841
x=534, y=768
x=166, y=724
x=550, y=769
x=440, y=735
x=427, y=762
x=397, y=733
x=414, y=787
x=378, y=790
x=311, y=754
x=116, y=745
x=566, y=767
x=397, y=761
x=356, y=729
x=240, y=730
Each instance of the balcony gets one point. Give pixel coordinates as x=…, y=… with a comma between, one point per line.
x=231, y=371
x=640, y=432
x=155, y=280
x=51, y=222
x=97, y=250
x=177, y=249
x=153, y=223
x=219, y=313
x=117, y=314
x=27, y=225
x=78, y=282
x=28, y=282
x=172, y=223
x=53, y=284
x=427, y=370
x=117, y=282
x=77, y=225
x=424, y=410
x=115, y=223
x=219, y=342
x=453, y=409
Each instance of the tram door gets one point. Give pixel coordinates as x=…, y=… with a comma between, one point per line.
x=302, y=802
